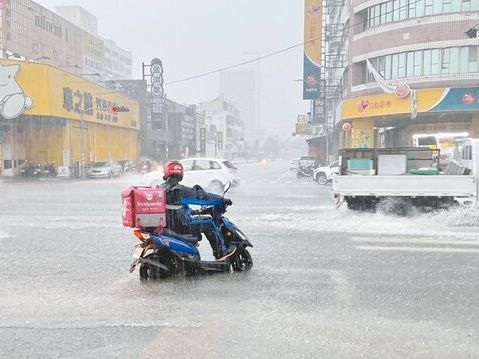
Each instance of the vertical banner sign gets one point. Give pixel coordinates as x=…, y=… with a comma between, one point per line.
x=202, y=141
x=219, y=140
x=156, y=86
x=413, y=104
x=313, y=22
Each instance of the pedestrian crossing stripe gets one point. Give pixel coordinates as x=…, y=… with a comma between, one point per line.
x=420, y=249
x=407, y=244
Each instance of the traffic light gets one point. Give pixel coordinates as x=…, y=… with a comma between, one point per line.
x=116, y=109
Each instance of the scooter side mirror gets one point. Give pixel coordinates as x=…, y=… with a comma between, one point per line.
x=227, y=186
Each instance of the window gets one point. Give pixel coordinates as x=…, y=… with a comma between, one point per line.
x=427, y=62
x=445, y=61
x=419, y=8
x=395, y=66
x=396, y=10
x=456, y=5
x=381, y=65
x=454, y=60
x=402, y=65
x=389, y=11
x=410, y=64
x=437, y=7
x=435, y=55
x=472, y=59
x=446, y=6
x=403, y=7
x=214, y=165
x=201, y=165
x=412, y=9
x=387, y=72
x=383, y=19
x=187, y=165
x=418, y=63
x=428, y=7
x=464, y=60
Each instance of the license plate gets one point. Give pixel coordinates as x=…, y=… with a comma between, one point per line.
x=138, y=252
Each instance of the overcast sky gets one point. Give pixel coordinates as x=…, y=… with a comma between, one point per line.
x=196, y=36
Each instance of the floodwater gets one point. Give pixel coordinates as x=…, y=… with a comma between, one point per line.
x=325, y=283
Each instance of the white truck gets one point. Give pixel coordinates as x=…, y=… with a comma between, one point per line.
x=404, y=177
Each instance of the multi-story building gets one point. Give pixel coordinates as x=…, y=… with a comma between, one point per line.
x=411, y=71
x=101, y=55
x=30, y=31
x=242, y=88
x=224, y=128
x=117, y=61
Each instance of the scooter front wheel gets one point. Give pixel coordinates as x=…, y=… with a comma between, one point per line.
x=242, y=260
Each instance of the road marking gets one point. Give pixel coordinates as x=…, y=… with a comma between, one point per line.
x=419, y=249
x=281, y=176
x=414, y=241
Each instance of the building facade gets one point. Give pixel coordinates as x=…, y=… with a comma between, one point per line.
x=30, y=31
x=101, y=55
x=48, y=115
x=224, y=128
x=411, y=71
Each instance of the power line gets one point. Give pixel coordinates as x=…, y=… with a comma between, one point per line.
x=241, y=63
x=221, y=69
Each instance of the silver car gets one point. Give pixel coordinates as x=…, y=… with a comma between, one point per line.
x=104, y=169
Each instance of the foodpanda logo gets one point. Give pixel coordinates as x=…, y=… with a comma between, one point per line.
x=149, y=196
x=12, y=98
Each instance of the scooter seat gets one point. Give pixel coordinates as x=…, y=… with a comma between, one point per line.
x=184, y=236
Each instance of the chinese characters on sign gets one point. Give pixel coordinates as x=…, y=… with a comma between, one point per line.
x=83, y=102
x=364, y=105
x=156, y=86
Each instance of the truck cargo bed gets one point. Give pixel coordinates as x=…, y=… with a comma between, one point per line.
x=405, y=185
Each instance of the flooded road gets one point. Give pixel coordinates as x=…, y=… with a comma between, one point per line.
x=325, y=283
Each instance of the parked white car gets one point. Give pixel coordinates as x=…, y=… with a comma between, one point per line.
x=104, y=169
x=323, y=175
x=210, y=173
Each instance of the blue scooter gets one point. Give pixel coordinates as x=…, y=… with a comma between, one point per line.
x=167, y=254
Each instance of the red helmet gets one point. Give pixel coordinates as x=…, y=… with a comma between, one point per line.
x=173, y=169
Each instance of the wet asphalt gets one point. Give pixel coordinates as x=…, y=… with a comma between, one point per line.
x=326, y=283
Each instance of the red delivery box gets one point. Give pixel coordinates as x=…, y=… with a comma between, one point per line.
x=144, y=207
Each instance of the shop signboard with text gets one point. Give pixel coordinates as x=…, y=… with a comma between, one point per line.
x=43, y=90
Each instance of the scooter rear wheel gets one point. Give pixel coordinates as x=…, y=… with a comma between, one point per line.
x=242, y=260
x=151, y=271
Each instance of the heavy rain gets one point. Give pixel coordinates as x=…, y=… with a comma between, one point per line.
x=287, y=179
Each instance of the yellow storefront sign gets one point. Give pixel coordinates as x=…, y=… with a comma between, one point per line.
x=52, y=92
x=43, y=106
x=389, y=104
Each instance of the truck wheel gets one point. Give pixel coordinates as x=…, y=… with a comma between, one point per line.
x=395, y=206
x=321, y=178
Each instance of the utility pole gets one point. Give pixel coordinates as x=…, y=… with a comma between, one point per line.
x=82, y=146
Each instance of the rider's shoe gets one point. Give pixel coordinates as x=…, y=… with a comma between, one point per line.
x=228, y=252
